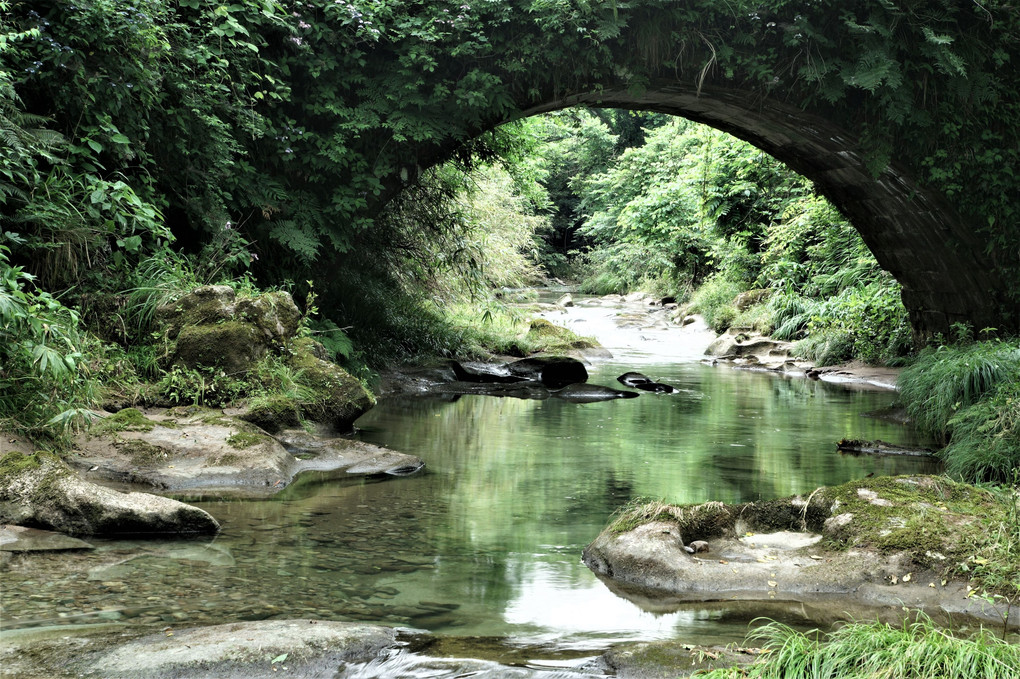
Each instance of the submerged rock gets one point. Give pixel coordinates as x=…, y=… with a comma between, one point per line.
x=42, y=491
x=271, y=648
x=22, y=539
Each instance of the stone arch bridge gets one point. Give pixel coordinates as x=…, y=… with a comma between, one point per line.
x=899, y=111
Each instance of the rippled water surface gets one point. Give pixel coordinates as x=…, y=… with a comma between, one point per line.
x=487, y=541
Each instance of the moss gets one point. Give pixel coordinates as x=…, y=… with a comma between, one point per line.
x=232, y=345
x=129, y=419
x=274, y=313
x=552, y=338
x=695, y=522
x=936, y=522
x=336, y=398
x=273, y=413
x=226, y=460
x=142, y=453
x=244, y=439
x=16, y=463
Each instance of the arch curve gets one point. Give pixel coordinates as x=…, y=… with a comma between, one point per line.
x=913, y=232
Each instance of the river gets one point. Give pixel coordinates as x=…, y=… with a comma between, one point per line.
x=483, y=548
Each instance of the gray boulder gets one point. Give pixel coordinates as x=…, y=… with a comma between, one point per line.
x=41, y=491
x=271, y=648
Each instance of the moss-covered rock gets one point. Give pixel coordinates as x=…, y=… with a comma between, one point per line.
x=202, y=306
x=128, y=419
x=337, y=398
x=273, y=313
x=273, y=413
x=234, y=346
x=553, y=338
x=212, y=328
x=921, y=541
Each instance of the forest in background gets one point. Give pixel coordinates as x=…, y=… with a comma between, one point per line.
x=151, y=147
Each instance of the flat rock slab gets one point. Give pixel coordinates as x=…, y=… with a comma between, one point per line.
x=347, y=457
x=204, y=452
x=22, y=539
x=273, y=648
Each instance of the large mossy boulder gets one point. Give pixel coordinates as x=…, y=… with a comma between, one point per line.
x=211, y=327
x=233, y=346
x=41, y=491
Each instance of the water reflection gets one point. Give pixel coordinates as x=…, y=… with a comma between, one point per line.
x=487, y=542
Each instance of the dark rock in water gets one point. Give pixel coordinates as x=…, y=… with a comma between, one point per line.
x=639, y=381
x=591, y=393
x=656, y=387
x=552, y=371
x=483, y=376
x=525, y=389
x=633, y=379
x=879, y=447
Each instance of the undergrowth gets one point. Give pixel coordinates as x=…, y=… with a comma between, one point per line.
x=915, y=650
x=969, y=397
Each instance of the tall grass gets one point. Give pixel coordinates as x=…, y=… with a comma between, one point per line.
x=985, y=441
x=918, y=650
x=945, y=380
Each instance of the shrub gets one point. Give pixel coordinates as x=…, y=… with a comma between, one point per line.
x=916, y=650
x=714, y=301
x=947, y=379
x=985, y=442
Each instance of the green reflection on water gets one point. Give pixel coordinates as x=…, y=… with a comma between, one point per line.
x=487, y=542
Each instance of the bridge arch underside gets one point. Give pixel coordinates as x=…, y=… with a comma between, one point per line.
x=915, y=234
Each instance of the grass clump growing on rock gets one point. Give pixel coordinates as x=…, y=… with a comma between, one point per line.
x=945, y=380
x=246, y=439
x=129, y=419
x=918, y=650
x=694, y=521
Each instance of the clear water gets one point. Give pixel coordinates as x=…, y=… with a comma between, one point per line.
x=486, y=542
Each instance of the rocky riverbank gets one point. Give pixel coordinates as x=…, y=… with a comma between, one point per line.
x=869, y=548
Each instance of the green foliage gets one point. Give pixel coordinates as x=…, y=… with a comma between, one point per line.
x=714, y=301
x=867, y=322
x=916, y=650
x=985, y=444
x=946, y=379
x=41, y=373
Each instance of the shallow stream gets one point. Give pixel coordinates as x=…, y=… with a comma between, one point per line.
x=484, y=547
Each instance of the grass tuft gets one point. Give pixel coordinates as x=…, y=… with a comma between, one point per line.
x=917, y=650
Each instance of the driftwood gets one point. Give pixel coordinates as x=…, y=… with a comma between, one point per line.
x=877, y=447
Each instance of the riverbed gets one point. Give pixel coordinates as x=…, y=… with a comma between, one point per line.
x=483, y=548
